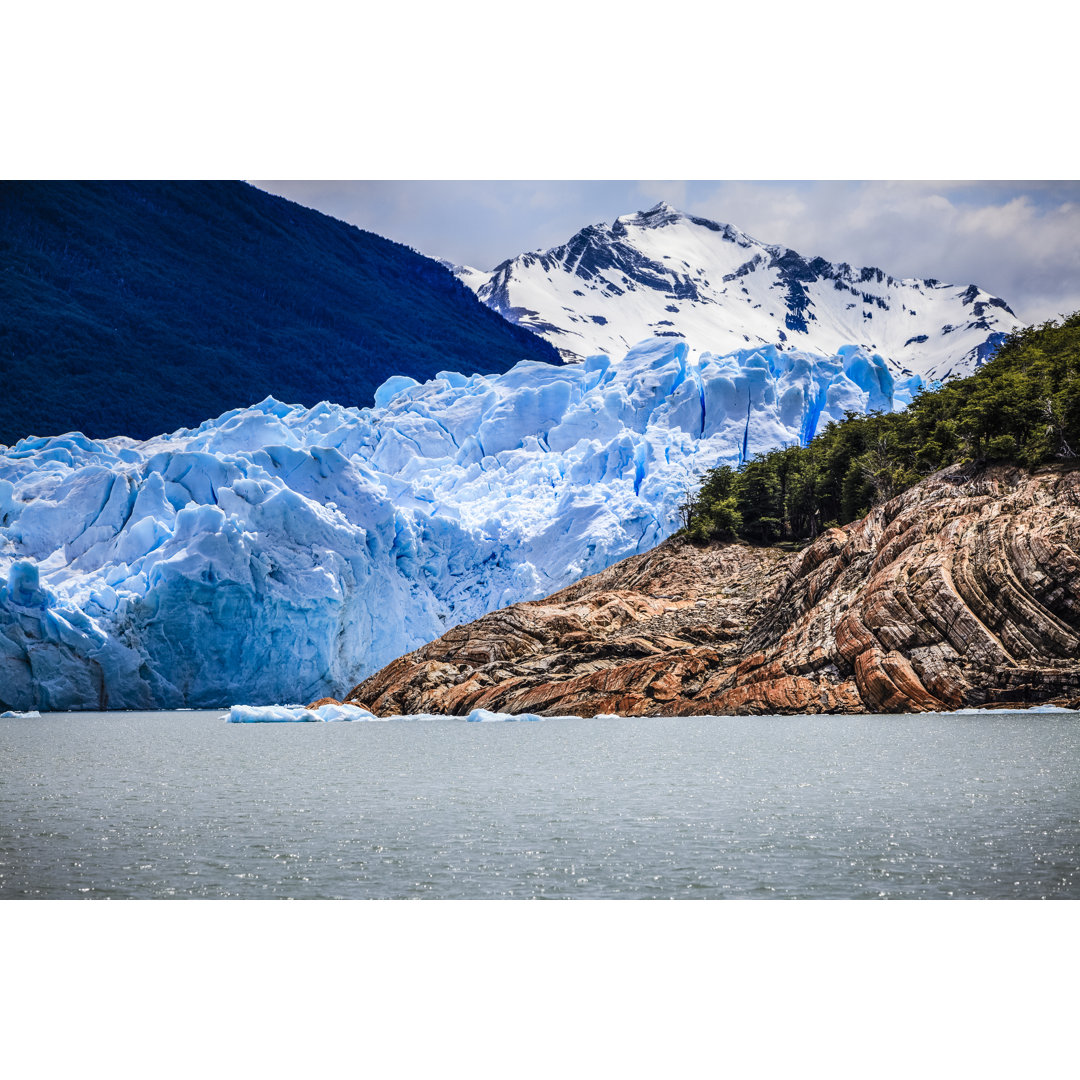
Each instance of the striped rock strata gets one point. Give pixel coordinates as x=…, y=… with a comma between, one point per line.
x=963, y=591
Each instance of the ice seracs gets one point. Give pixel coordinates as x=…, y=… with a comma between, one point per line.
x=665, y=273
x=279, y=553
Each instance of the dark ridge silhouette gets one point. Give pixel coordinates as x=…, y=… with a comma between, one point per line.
x=135, y=308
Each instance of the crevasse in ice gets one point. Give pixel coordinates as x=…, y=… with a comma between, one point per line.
x=279, y=553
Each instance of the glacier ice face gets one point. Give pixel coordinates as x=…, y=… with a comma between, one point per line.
x=279, y=553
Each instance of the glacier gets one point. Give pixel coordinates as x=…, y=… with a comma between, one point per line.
x=280, y=552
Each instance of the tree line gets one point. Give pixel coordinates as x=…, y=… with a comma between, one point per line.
x=1021, y=406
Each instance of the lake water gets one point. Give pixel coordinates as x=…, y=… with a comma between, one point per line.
x=183, y=805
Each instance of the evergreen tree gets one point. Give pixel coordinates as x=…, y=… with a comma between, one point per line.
x=1022, y=406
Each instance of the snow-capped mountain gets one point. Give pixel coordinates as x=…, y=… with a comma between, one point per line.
x=281, y=552
x=662, y=273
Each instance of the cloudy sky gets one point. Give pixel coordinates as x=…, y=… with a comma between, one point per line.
x=1020, y=240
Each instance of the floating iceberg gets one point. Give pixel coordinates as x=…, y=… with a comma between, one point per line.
x=295, y=714
x=280, y=552
x=298, y=714
x=486, y=716
x=993, y=709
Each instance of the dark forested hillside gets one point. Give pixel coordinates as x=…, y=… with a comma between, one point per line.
x=135, y=308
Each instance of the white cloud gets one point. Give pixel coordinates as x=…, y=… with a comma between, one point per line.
x=654, y=191
x=1022, y=246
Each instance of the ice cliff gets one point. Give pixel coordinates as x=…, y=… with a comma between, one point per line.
x=279, y=552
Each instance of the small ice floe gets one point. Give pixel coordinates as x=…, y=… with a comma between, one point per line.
x=14, y=714
x=484, y=716
x=1010, y=709
x=296, y=714
x=300, y=714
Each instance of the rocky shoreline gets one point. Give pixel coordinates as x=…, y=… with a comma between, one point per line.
x=962, y=592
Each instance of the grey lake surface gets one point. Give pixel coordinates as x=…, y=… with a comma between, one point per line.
x=159, y=805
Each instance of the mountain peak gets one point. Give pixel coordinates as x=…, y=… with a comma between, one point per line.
x=665, y=273
x=663, y=213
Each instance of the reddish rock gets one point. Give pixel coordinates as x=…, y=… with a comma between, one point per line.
x=963, y=591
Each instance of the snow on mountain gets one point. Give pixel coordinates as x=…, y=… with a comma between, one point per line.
x=664, y=273
x=280, y=552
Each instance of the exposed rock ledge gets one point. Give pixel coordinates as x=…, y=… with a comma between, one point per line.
x=963, y=591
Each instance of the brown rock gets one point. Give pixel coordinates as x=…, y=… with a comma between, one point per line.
x=964, y=590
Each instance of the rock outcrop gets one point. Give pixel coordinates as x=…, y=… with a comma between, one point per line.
x=963, y=591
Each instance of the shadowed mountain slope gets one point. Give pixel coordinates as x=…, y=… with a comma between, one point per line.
x=132, y=308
